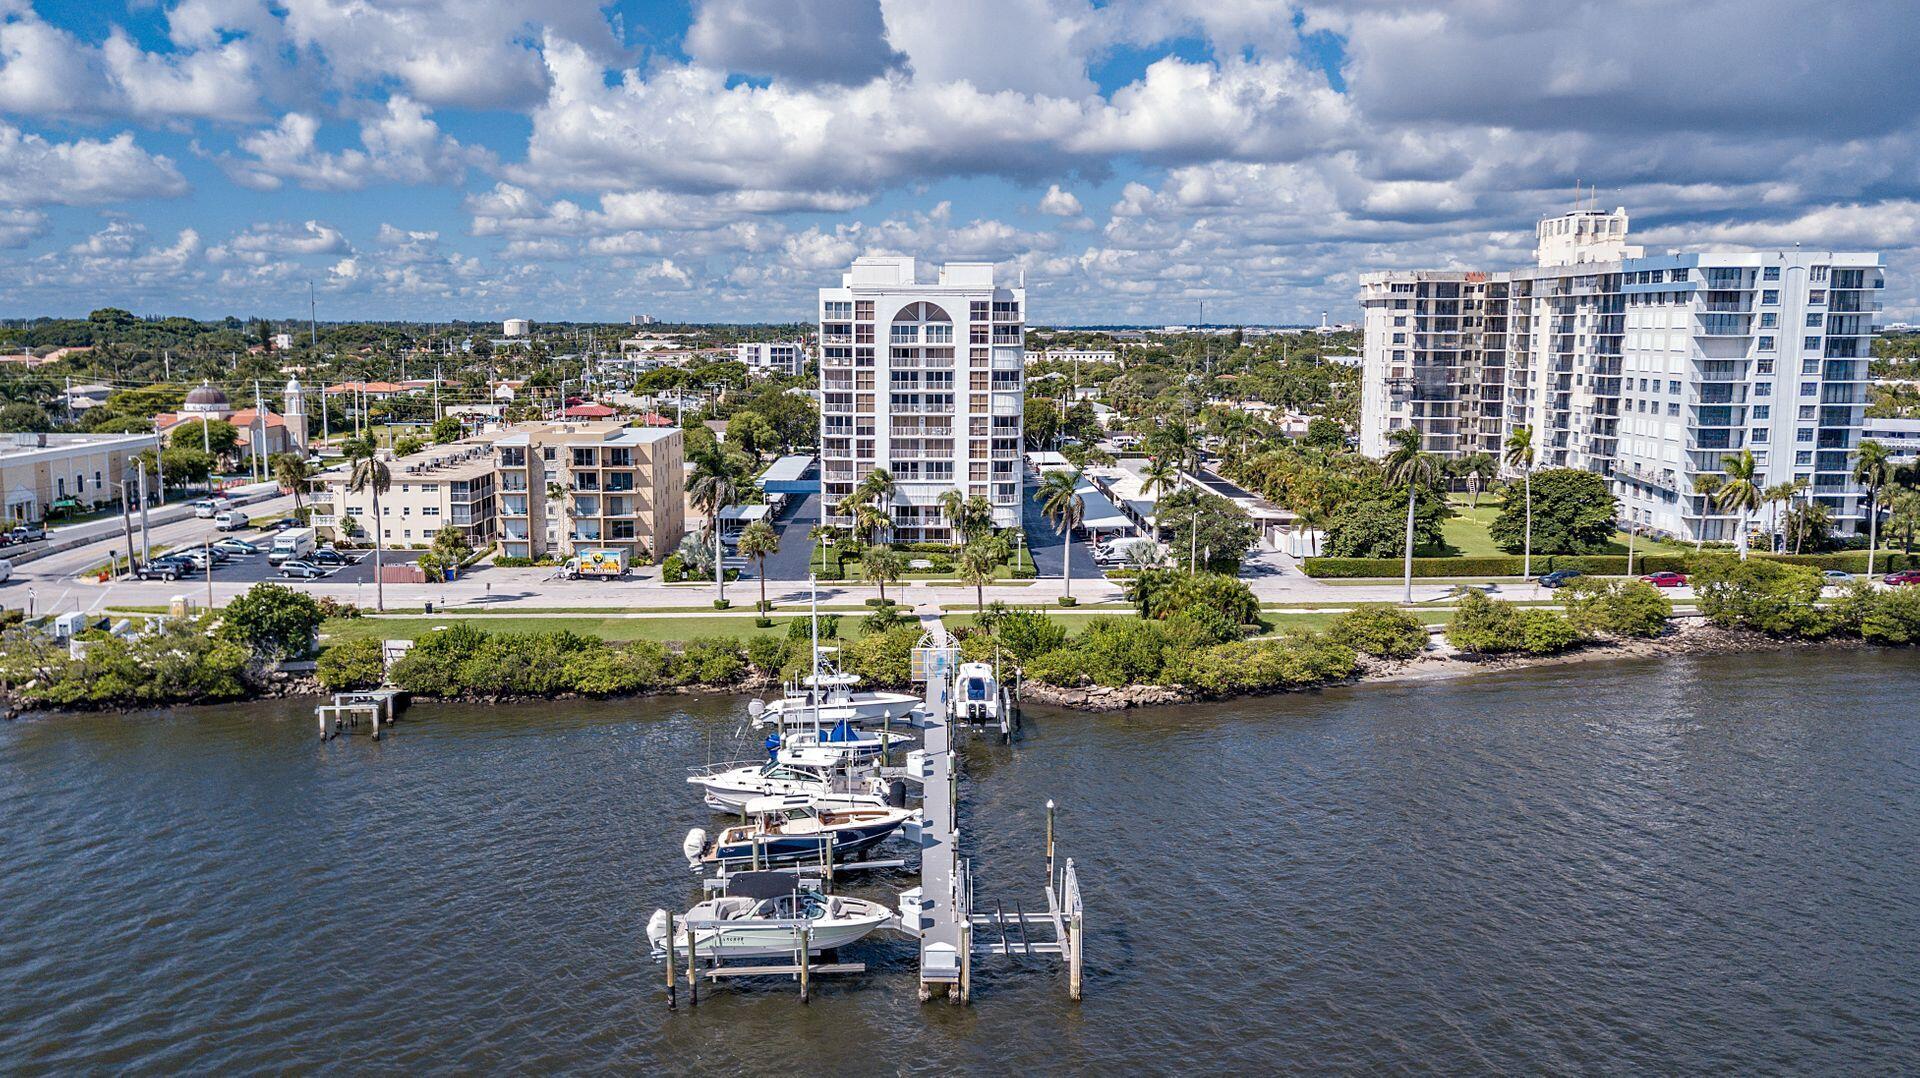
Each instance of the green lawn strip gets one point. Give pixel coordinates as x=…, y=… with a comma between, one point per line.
x=614, y=629
x=1468, y=536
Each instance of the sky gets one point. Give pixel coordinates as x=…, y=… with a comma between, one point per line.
x=718, y=161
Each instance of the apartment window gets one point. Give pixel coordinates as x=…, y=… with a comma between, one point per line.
x=1807, y=412
x=1764, y=366
x=1757, y=434
x=1808, y=389
x=978, y=310
x=1770, y=297
x=1804, y=456
x=838, y=310
x=1813, y=321
x=1673, y=387
x=1399, y=338
x=1762, y=411
x=1811, y=344
x=1817, y=297
x=1771, y=273
x=1804, y=434
x=1809, y=366
x=1673, y=408
x=1818, y=275
x=1766, y=344
x=863, y=309
x=355, y=511
x=1769, y=320
x=1763, y=389
x=429, y=510
x=1400, y=321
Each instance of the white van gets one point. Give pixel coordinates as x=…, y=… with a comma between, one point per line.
x=290, y=544
x=203, y=508
x=6, y=570
x=231, y=520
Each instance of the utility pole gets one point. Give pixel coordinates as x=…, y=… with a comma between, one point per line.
x=146, y=545
x=126, y=516
x=437, y=414
x=166, y=364
x=313, y=323
x=260, y=419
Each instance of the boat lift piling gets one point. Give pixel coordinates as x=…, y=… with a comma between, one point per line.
x=348, y=709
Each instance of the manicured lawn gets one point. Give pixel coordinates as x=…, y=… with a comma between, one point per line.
x=1467, y=533
x=662, y=629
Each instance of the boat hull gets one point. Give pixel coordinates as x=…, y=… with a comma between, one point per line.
x=863, y=708
x=776, y=850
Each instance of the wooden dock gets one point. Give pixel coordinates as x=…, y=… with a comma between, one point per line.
x=349, y=709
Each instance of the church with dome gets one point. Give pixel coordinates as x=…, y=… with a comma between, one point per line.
x=262, y=430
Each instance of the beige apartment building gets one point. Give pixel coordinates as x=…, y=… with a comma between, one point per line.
x=618, y=487
x=77, y=472
x=447, y=484
x=621, y=488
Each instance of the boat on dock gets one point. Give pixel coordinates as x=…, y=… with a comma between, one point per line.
x=796, y=828
x=981, y=700
x=731, y=787
x=765, y=915
x=841, y=741
x=829, y=698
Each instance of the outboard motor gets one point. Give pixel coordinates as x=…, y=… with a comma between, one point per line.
x=693, y=846
x=897, y=794
x=657, y=930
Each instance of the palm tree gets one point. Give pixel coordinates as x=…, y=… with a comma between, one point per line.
x=1518, y=453
x=710, y=492
x=868, y=522
x=1313, y=520
x=757, y=542
x=881, y=565
x=1872, y=470
x=292, y=471
x=978, y=560
x=972, y=516
x=1059, y=498
x=1905, y=517
x=1476, y=468
x=371, y=473
x=1776, y=496
x=1739, y=494
x=1806, y=518
x=1706, y=484
x=1160, y=477
x=1406, y=463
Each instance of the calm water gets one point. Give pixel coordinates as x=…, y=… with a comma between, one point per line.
x=1679, y=866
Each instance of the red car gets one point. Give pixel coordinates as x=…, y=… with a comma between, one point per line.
x=1905, y=576
x=1666, y=580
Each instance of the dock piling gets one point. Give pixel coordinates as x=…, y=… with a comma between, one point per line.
x=672, y=963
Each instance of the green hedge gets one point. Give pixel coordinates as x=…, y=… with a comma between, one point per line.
x=1848, y=561
x=1497, y=565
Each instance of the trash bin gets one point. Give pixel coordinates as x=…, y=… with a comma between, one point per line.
x=429, y=606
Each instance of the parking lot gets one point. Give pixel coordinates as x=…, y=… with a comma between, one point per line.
x=253, y=568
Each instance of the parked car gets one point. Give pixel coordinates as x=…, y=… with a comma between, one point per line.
x=26, y=533
x=165, y=567
x=236, y=546
x=1904, y=576
x=1837, y=576
x=301, y=570
x=283, y=524
x=6, y=570
x=1559, y=577
x=326, y=555
x=1665, y=580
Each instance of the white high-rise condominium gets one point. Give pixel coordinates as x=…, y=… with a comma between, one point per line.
x=1648, y=369
x=924, y=379
x=775, y=357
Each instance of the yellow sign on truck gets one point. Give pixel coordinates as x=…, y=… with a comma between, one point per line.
x=597, y=564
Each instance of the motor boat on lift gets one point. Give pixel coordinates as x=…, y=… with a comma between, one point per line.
x=730, y=787
x=763, y=915
x=828, y=698
x=842, y=741
x=980, y=699
x=795, y=828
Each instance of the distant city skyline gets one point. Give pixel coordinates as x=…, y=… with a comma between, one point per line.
x=717, y=161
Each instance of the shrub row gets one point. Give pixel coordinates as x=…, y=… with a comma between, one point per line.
x=1495, y=565
x=1189, y=650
